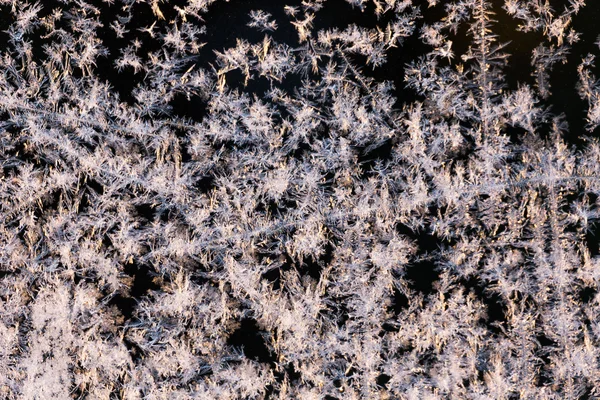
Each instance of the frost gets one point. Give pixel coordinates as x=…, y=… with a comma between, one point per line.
x=370, y=209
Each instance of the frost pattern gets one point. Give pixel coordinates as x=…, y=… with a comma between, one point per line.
x=303, y=209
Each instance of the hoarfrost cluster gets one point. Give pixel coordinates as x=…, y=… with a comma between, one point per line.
x=317, y=199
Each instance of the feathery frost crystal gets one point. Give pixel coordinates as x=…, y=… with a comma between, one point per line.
x=317, y=199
